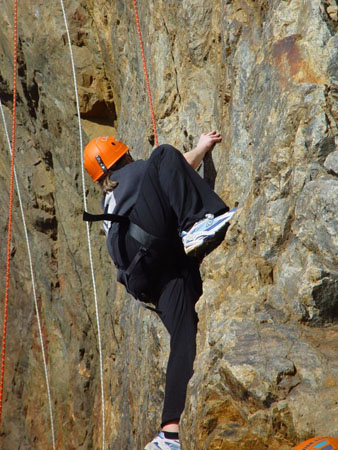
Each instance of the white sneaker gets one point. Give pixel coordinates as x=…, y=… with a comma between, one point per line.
x=206, y=234
x=161, y=443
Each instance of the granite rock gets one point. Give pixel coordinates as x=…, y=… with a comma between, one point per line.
x=265, y=74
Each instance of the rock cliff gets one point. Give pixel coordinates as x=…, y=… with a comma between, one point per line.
x=264, y=73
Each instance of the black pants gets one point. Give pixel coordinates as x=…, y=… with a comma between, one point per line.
x=172, y=198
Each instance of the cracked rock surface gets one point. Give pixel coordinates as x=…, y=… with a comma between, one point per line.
x=263, y=73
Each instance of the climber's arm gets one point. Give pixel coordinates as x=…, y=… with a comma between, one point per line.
x=206, y=143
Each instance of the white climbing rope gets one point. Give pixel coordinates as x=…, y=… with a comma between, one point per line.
x=87, y=225
x=33, y=282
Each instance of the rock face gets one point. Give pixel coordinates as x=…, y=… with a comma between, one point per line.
x=265, y=74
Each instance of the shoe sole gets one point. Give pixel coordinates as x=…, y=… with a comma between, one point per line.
x=209, y=244
x=151, y=446
x=223, y=218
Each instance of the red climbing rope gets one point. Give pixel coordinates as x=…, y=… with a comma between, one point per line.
x=145, y=70
x=11, y=191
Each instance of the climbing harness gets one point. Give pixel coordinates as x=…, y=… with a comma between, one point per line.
x=135, y=275
x=145, y=71
x=33, y=285
x=87, y=225
x=11, y=191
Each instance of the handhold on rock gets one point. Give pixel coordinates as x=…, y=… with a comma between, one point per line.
x=331, y=163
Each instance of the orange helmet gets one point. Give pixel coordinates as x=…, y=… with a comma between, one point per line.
x=319, y=443
x=101, y=154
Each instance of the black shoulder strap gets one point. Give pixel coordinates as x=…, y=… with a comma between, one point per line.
x=87, y=217
x=140, y=235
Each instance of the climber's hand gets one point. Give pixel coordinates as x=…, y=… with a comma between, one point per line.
x=207, y=141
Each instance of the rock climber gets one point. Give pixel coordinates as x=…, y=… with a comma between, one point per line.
x=167, y=200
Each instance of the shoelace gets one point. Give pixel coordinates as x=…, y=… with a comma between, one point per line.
x=209, y=217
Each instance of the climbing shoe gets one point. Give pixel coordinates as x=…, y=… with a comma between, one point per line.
x=160, y=442
x=206, y=234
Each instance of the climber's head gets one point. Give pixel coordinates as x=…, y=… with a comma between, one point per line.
x=319, y=443
x=102, y=153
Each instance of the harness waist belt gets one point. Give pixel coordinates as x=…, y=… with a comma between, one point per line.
x=140, y=235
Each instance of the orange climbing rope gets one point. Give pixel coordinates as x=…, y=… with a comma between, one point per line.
x=145, y=71
x=11, y=191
